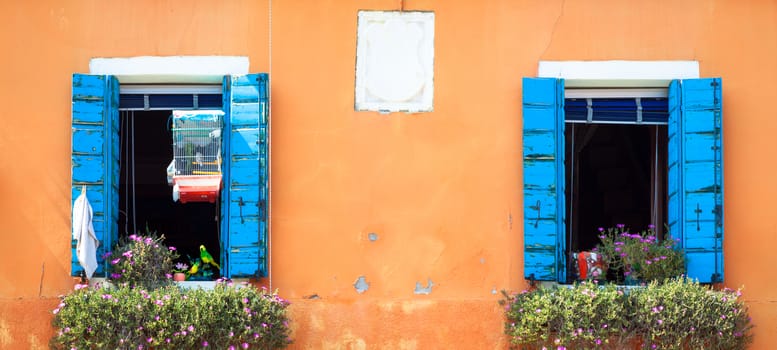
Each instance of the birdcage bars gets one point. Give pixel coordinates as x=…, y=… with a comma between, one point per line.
x=195, y=171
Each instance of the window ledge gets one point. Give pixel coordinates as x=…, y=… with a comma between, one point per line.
x=96, y=282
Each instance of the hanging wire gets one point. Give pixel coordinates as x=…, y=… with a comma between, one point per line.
x=654, y=215
x=123, y=160
x=269, y=148
x=134, y=213
x=571, y=224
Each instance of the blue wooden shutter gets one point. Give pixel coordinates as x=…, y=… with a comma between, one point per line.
x=95, y=158
x=543, y=179
x=695, y=175
x=244, y=198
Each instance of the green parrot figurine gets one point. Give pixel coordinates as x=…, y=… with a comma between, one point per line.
x=194, y=269
x=207, y=258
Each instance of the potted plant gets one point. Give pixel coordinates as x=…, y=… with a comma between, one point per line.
x=142, y=261
x=634, y=258
x=179, y=271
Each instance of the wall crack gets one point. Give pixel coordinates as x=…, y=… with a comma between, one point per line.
x=553, y=31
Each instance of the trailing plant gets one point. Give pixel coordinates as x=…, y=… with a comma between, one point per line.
x=142, y=261
x=583, y=316
x=639, y=256
x=681, y=314
x=677, y=314
x=227, y=317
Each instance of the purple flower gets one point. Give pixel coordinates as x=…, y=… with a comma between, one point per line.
x=601, y=229
x=660, y=321
x=149, y=340
x=115, y=261
x=205, y=344
x=598, y=341
x=651, y=226
x=244, y=345
x=620, y=225
x=115, y=275
x=190, y=328
x=171, y=249
x=127, y=253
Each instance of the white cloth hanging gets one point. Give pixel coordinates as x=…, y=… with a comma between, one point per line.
x=83, y=233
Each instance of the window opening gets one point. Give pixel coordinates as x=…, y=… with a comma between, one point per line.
x=615, y=167
x=145, y=199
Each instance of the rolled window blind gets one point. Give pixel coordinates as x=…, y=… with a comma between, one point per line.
x=639, y=110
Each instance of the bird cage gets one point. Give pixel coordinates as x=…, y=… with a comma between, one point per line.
x=195, y=172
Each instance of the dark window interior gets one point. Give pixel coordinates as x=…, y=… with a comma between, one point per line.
x=145, y=198
x=615, y=174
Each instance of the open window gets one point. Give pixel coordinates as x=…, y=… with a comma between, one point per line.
x=122, y=147
x=564, y=199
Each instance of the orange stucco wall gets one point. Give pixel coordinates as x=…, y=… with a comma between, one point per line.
x=441, y=190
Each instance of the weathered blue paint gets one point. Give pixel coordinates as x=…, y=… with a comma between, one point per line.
x=695, y=175
x=543, y=179
x=244, y=197
x=95, y=158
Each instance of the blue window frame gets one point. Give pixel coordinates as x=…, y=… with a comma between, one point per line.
x=244, y=197
x=694, y=172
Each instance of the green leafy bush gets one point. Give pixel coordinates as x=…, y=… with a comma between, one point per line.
x=142, y=261
x=226, y=317
x=639, y=256
x=680, y=314
x=677, y=314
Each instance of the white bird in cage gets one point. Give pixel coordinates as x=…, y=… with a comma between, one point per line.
x=216, y=133
x=198, y=158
